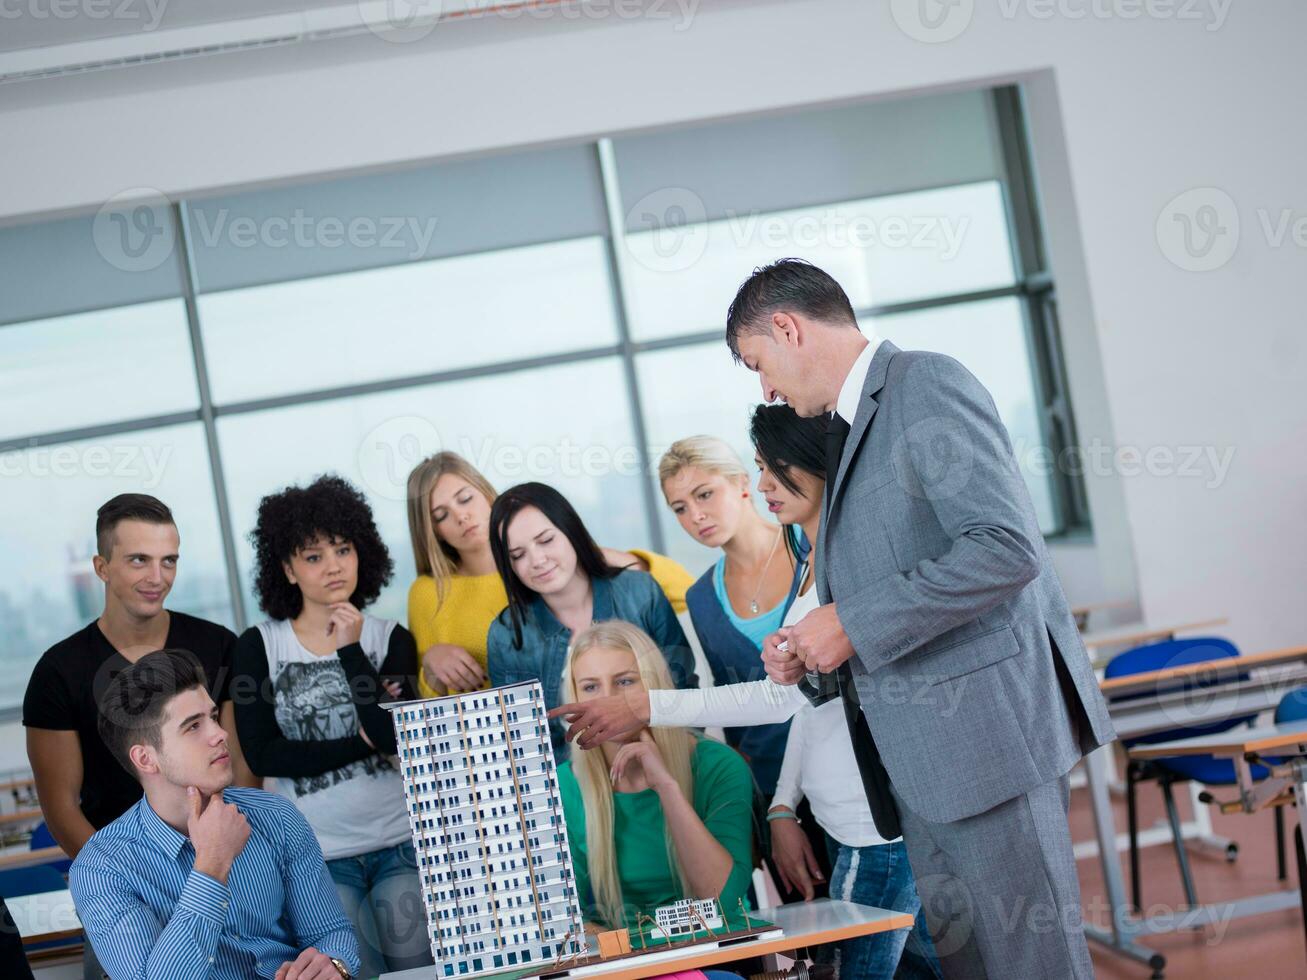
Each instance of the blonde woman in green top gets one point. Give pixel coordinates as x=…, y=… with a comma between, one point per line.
x=660, y=816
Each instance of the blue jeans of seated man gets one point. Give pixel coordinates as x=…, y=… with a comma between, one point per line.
x=382, y=896
x=879, y=875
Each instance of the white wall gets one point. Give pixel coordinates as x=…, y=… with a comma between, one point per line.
x=1126, y=114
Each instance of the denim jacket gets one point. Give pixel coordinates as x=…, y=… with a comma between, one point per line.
x=631, y=595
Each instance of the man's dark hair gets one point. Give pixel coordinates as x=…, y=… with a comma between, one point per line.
x=297, y=516
x=133, y=705
x=127, y=507
x=787, y=441
x=560, y=513
x=790, y=285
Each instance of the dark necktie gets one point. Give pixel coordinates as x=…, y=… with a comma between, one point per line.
x=875, y=780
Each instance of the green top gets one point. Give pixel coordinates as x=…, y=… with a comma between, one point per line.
x=723, y=798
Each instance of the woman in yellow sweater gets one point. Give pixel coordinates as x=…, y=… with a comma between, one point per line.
x=458, y=593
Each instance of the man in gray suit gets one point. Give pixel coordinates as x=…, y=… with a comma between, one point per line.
x=943, y=619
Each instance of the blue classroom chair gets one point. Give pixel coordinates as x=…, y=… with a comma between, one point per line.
x=1204, y=769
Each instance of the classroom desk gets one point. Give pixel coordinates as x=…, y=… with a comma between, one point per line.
x=28, y=859
x=1234, y=688
x=1137, y=635
x=1082, y=613
x=804, y=924
x=1282, y=748
x=45, y=917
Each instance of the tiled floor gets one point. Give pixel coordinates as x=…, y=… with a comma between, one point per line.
x=1265, y=947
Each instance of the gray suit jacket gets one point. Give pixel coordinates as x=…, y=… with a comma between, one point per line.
x=932, y=553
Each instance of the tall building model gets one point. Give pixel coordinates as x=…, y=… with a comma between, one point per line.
x=487, y=822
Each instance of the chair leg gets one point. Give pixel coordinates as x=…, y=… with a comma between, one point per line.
x=1178, y=839
x=1280, y=863
x=1132, y=817
x=1302, y=869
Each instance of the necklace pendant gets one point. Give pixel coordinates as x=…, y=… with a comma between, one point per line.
x=753, y=606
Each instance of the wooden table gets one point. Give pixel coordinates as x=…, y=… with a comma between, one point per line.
x=1162, y=700
x=803, y=923
x=1137, y=635
x=28, y=859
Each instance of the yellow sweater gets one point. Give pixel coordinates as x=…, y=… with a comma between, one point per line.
x=473, y=601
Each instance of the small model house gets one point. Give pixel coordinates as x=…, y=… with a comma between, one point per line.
x=686, y=917
x=487, y=821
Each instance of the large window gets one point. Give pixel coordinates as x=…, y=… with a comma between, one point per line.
x=553, y=315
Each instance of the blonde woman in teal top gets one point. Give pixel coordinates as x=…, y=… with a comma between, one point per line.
x=679, y=804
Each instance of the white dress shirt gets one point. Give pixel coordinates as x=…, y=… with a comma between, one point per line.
x=846, y=405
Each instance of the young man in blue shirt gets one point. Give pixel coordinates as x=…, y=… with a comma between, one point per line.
x=201, y=880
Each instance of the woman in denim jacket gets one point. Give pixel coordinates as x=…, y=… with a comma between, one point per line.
x=558, y=583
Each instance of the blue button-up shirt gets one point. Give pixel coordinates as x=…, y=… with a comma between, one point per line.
x=630, y=595
x=149, y=914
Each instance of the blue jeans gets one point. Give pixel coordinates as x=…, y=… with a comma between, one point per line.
x=880, y=875
x=382, y=896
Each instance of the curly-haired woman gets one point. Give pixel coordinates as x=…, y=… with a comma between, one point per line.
x=311, y=678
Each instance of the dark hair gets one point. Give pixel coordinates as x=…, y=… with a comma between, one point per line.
x=563, y=516
x=292, y=519
x=789, y=284
x=127, y=507
x=131, y=708
x=785, y=439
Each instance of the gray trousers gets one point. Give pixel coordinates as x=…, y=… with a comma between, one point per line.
x=999, y=890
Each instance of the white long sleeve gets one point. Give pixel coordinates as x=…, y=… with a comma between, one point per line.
x=731, y=706
x=789, y=789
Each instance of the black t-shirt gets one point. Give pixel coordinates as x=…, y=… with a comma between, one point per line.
x=70, y=677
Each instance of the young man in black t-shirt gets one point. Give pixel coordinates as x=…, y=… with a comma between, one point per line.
x=80, y=784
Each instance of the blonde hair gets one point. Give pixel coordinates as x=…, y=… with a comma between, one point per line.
x=675, y=745
x=431, y=555
x=704, y=452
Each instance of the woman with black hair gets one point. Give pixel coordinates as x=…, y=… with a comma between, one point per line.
x=866, y=868
x=311, y=678
x=558, y=583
